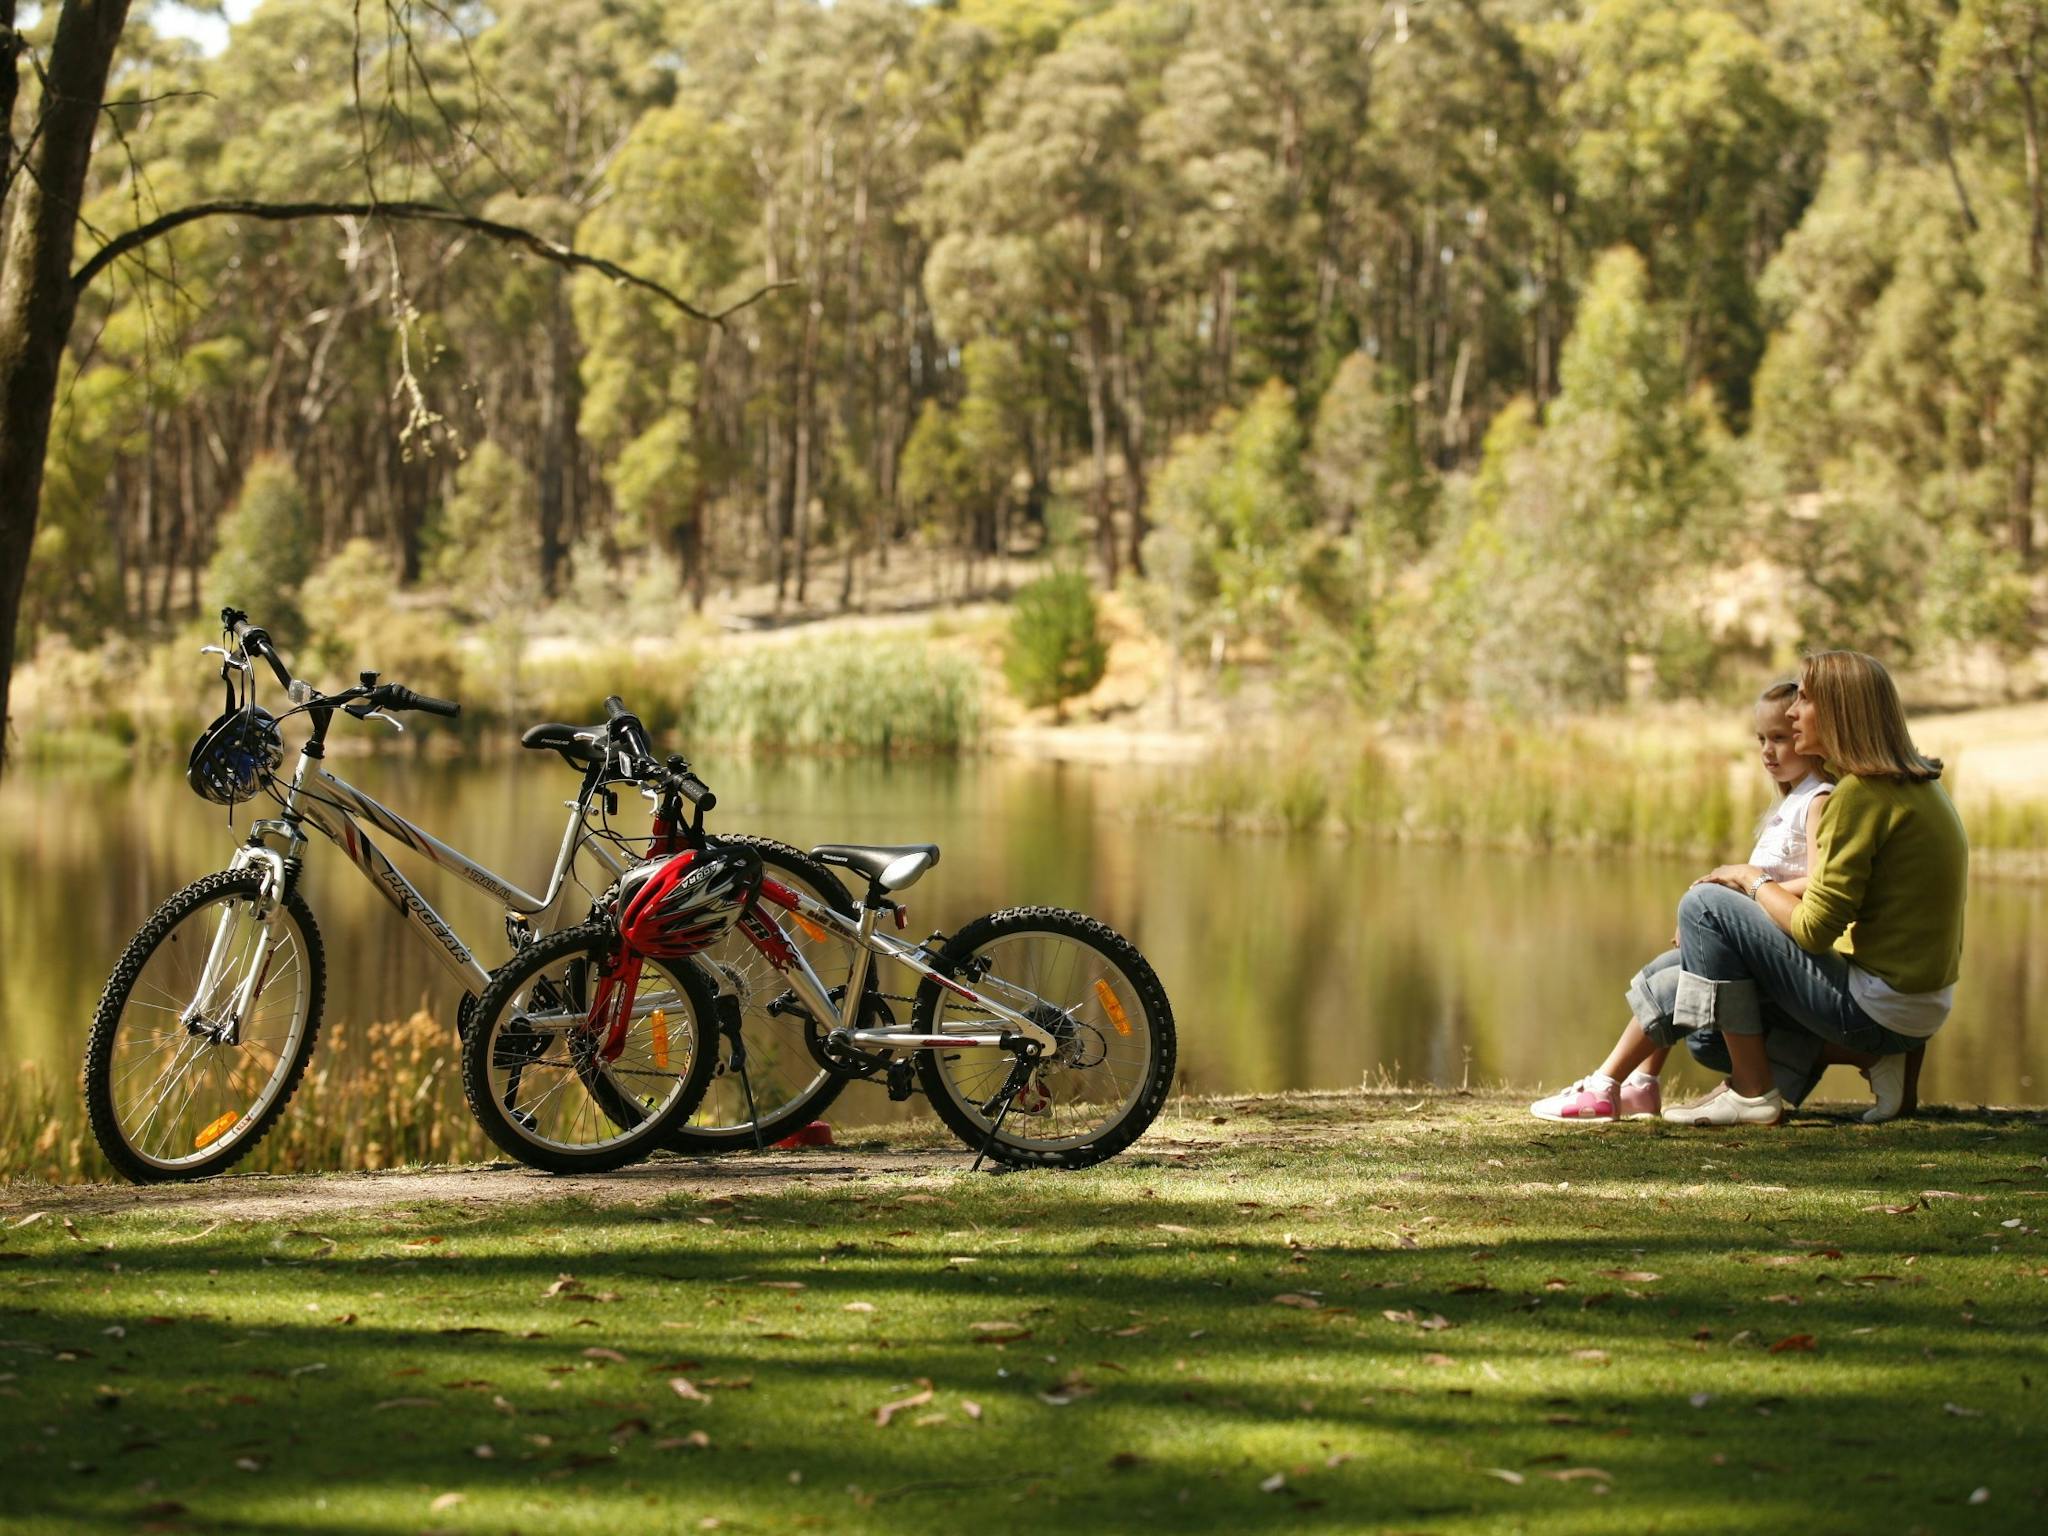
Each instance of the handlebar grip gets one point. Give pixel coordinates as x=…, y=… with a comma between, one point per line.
x=401, y=697
x=258, y=640
x=695, y=790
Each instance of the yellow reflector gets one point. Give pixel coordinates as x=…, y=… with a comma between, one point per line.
x=1112, y=1007
x=811, y=930
x=658, y=1023
x=215, y=1131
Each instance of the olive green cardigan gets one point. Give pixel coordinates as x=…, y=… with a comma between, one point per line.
x=1892, y=863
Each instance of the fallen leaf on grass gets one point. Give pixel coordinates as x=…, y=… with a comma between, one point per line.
x=405, y=1402
x=1792, y=1342
x=1591, y=1356
x=695, y=1440
x=1504, y=1475
x=971, y=1408
x=1072, y=1387
x=1573, y=1474
x=29, y=1220
x=682, y=1387
x=783, y=1285
x=1274, y=1483
x=998, y=1332
x=859, y=1306
x=447, y=1501
x=1633, y=1276
x=1961, y=1412
x=599, y=1352
x=889, y=1411
x=1892, y=1210
x=1295, y=1299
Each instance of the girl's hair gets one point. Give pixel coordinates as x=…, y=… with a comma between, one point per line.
x=1781, y=692
x=1862, y=724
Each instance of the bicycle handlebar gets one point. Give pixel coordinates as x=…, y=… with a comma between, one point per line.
x=385, y=696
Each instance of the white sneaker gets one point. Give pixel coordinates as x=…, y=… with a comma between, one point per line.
x=1724, y=1106
x=1888, y=1086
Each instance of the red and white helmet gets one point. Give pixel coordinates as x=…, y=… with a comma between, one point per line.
x=672, y=907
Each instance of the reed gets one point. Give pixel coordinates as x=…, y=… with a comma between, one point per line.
x=378, y=1095
x=893, y=697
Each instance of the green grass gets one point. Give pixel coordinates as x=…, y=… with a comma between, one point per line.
x=1328, y=1314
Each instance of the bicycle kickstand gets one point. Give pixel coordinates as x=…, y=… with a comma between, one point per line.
x=1020, y=1074
x=731, y=1030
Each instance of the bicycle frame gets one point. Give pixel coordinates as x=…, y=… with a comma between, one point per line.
x=859, y=931
x=331, y=805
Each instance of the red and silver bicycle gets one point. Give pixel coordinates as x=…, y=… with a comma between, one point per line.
x=1041, y=1036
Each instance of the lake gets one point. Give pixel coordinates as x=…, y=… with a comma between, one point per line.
x=1301, y=962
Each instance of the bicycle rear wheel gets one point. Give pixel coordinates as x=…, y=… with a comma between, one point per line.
x=561, y=1090
x=1085, y=984
x=784, y=1087
x=204, y=1030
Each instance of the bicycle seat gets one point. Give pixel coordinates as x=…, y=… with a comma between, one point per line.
x=892, y=866
x=552, y=736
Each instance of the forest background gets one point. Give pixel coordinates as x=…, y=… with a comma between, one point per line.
x=1445, y=359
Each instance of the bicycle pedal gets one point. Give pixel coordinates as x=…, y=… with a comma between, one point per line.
x=901, y=1084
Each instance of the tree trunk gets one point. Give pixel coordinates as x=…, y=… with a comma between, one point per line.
x=37, y=299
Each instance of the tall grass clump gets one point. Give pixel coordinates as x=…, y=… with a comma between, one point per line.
x=381, y=1095
x=891, y=697
x=1496, y=786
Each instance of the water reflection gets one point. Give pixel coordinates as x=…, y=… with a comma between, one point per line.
x=1292, y=963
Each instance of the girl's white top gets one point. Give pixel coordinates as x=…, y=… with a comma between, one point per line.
x=1780, y=850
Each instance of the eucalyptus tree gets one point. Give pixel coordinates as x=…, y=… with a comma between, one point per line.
x=44, y=177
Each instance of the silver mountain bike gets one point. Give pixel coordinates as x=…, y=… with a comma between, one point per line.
x=205, y=1028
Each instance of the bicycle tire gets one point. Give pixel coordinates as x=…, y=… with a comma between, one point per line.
x=730, y=1134
x=228, y=1147
x=1121, y=958
x=639, y=1132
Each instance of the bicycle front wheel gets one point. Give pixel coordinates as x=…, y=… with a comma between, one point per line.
x=569, y=1092
x=1088, y=987
x=204, y=1030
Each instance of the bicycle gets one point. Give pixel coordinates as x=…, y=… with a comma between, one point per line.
x=1030, y=1012
x=204, y=1030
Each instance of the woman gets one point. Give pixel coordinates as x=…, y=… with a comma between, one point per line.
x=1891, y=864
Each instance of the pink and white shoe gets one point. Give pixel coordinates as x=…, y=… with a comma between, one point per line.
x=1583, y=1101
x=1641, y=1098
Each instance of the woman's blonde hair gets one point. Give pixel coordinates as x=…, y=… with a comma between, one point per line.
x=1862, y=723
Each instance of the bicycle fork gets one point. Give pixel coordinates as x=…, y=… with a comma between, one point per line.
x=229, y=1029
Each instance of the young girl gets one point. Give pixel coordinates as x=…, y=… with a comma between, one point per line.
x=1625, y=1087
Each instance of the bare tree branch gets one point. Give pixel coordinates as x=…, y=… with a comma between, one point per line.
x=422, y=213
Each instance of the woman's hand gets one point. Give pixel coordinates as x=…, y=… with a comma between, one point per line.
x=1737, y=877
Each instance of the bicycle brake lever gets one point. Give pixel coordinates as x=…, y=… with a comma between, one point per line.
x=390, y=720
x=228, y=657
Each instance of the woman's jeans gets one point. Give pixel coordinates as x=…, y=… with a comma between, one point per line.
x=1737, y=972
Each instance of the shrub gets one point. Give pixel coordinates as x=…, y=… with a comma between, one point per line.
x=1055, y=650
x=265, y=550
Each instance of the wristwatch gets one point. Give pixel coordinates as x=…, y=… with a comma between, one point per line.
x=1756, y=886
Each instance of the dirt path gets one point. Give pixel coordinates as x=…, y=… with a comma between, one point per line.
x=475, y=1184
x=482, y=1185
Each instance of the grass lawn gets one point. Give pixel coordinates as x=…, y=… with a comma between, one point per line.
x=1353, y=1313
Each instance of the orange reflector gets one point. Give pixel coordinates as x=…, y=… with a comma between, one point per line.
x=215, y=1131
x=658, y=1023
x=1112, y=1007
x=811, y=930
